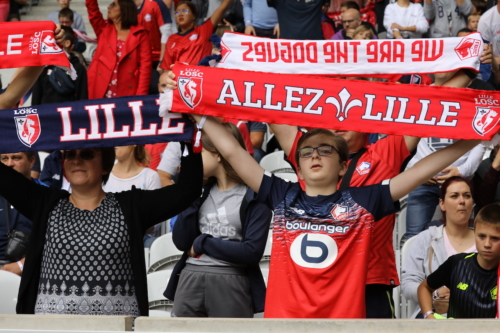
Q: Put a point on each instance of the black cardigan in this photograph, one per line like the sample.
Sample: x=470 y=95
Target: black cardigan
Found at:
x=141 y=209
x=248 y=251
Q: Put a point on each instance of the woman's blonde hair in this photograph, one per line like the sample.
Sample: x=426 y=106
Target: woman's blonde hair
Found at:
x=362 y=28
x=209 y=146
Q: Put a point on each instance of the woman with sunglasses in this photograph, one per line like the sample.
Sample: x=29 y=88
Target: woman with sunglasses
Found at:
x=86 y=254
x=121 y=65
x=191 y=43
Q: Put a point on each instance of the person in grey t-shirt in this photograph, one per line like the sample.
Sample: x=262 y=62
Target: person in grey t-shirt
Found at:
x=222 y=277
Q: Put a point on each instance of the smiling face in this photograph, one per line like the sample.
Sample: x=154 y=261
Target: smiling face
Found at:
x=184 y=16
x=317 y=169
x=487 y=244
x=457 y=203
x=82 y=170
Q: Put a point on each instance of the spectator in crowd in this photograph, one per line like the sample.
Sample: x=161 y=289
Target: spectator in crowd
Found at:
x=36 y=169
x=154 y=16
x=327 y=24
x=472 y=277
x=14 y=10
x=260 y=19
x=404 y=19
x=122 y=60
x=257 y=133
x=299 y=19
x=22 y=163
x=52 y=87
x=321 y=158
x=52 y=172
x=486 y=180
x=351 y=19
x=103 y=230
x=191 y=43
x=131 y=170
x=464 y=32
x=363 y=32
x=433 y=246
x=473 y=21
x=77 y=18
x=66 y=19
x=480 y=6
x=489 y=27
x=4 y=10
x=224 y=233
x=233 y=17
x=446 y=17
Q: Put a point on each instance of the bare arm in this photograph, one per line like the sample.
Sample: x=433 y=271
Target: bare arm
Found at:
x=165 y=178
x=286 y=135
x=409 y=180
x=20 y=86
x=411 y=142
x=425 y=298
x=219 y=12
x=241 y=161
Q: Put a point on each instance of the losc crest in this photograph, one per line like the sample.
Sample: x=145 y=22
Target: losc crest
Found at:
x=487 y=114
x=43 y=42
x=190 y=84
x=468 y=48
x=27 y=126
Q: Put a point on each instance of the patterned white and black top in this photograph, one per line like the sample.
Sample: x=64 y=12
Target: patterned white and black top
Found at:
x=86 y=263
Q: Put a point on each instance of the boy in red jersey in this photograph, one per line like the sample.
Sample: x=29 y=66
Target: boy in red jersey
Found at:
x=321 y=236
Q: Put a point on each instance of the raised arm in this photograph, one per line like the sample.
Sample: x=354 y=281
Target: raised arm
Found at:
x=19 y=86
x=219 y=12
x=285 y=134
x=426 y=168
x=241 y=161
x=95 y=16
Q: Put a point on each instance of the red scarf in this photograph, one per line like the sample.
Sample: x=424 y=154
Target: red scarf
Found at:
x=30 y=44
x=361 y=106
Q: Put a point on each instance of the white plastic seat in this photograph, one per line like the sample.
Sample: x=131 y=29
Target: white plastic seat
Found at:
x=157 y=282
x=275 y=163
x=163 y=254
x=292 y=177
x=409 y=305
x=9 y=288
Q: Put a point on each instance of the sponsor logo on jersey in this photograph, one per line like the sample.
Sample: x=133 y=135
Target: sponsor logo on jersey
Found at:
x=340 y=212
x=485 y=119
x=147 y=17
x=314 y=250
x=308 y=226
x=193 y=37
x=28 y=128
x=462 y=286
x=363 y=168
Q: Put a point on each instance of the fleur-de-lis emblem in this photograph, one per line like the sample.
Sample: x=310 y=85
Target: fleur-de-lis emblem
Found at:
x=344 y=105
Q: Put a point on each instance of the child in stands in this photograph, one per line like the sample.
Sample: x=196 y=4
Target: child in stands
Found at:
x=471 y=277
x=321 y=236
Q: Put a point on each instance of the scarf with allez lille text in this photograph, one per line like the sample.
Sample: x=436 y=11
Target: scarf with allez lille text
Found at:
x=30 y=44
x=375 y=58
x=110 y=122
x=308 y=101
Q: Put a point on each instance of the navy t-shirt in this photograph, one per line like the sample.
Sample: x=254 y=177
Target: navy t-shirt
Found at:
x=299 y=19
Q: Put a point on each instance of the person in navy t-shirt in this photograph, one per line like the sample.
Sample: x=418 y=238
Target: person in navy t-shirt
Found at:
x=321 y=236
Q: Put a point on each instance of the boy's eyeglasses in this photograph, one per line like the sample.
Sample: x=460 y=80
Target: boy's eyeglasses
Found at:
x=184 y=11
x=85 y=154
x=325 y=150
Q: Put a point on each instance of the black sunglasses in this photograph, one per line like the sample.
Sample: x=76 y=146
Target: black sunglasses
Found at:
x=85 y=154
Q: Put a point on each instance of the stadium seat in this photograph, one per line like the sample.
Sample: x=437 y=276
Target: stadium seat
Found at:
x=409 y=305
x=292 y=177
x=163 y=254
x=146 y=257
x=157 y=282
x=9 y=288
x=275 y=163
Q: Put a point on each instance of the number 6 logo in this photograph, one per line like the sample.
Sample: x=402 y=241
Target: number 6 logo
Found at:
x=314 y=250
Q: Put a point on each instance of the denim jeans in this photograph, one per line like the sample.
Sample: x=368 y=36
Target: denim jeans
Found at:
x=422 y=204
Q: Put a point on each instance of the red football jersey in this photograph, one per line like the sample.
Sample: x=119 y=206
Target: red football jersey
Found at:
x=382 y=160
x=155 y=151
x=151 y=17
x=189 y=47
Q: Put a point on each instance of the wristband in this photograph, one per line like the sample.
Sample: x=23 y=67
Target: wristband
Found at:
x=428 y=313
x=198 y=134
x=20 y=264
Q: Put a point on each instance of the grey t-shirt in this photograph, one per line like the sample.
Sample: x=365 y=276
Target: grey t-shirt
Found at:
x=219 y=216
